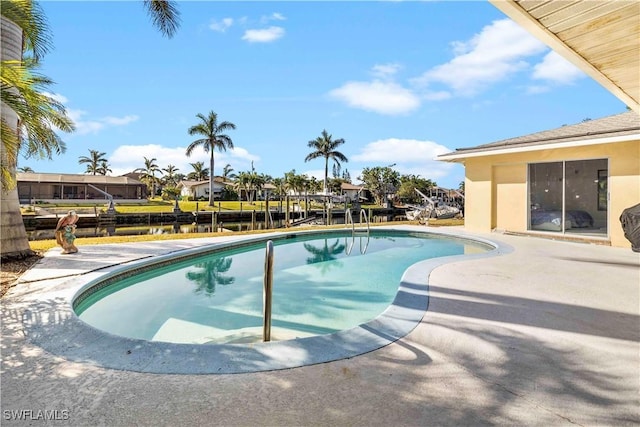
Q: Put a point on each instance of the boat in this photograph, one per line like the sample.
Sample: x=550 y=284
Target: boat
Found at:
x=431 y=208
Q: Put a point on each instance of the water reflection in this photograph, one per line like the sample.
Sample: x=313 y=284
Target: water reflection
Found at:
x=324 y=253
x=210 y=274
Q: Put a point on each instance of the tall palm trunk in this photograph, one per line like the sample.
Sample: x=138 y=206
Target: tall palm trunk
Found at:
x=326 y=175
x=212 y=176
x=13 y=237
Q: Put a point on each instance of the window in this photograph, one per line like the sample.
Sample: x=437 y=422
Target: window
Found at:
x=569 y=196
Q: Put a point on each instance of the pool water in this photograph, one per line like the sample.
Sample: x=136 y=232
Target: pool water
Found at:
x=322 y=283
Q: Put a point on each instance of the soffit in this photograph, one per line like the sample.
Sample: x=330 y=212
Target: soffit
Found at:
x=601 y=37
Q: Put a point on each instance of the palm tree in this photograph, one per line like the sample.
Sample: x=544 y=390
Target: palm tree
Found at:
x=28 y=116
x=213 y=137
x=281 y=186
x=26 y=169
x=148 y=175
x=227 y=172
x=104 y=168
x=200 y=173
x=295 y=182
x=325 y=147
x=170 y=175
x=25 y=106
x=250 y=182
x=93 y=161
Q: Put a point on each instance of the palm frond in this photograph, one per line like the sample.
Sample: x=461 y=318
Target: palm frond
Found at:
x=30 y=18
x=164 y=15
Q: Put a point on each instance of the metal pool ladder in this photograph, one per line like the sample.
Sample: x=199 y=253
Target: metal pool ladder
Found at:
x=348 y=219
x=267 y=292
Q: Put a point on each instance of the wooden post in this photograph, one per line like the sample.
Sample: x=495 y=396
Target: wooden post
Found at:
x=266 y=214
x=253 y=220
x=286 y=216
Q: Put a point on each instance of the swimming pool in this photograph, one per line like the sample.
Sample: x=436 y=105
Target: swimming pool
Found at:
x=323 y=283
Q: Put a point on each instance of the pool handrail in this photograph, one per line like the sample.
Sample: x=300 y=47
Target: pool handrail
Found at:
x=363 y=214
x=267 y=292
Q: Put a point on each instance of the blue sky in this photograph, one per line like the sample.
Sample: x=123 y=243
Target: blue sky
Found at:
x=400 y=82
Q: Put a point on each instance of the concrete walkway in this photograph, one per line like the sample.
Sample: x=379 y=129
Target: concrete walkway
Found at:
x=548 y=334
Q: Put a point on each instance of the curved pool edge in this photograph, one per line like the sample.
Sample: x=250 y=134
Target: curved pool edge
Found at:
x=69 y=337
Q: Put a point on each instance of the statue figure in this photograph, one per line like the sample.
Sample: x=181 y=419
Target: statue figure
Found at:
x=65 y=232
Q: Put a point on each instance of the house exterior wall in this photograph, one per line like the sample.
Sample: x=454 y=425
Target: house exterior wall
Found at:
x=509 y=189
x=201 y=190
x=30 y=192
x=496 y=185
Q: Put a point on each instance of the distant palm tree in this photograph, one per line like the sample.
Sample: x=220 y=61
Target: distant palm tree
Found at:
x=325 y=147
x=26 y=169
x=93 y=161
x=296 y=182
x=213 y=137
x=170 y=192
x=250 y=182
x=281 y=186
x=170 y=174
x=104 y=168
x=200 y=173
x=148 y=174
x=227 y=172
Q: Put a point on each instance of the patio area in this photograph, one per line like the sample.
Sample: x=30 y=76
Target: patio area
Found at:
x=547 y=333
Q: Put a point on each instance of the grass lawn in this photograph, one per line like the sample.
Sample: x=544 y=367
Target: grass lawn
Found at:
x=158 y=205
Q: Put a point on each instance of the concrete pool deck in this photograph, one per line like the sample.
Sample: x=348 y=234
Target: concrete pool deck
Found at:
x=547 y=334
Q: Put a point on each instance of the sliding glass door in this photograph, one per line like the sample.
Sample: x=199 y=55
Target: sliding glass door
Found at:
x=569 y=197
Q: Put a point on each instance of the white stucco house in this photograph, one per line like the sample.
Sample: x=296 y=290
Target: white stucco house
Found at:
x=200 y=189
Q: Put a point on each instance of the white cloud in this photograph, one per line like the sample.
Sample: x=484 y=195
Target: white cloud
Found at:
x=385 y=71
x=127 y=158
x=555 y=69
x=377 y=96
x=408 y=157
x=273 y=17
x=265 y=35
x=437 y=96
x=533 y=90
x=316 y=173
x=85 y=127
x=400 y=151
x=222 y=25
x=56 y=96
x=492 y=55
x=90 y=126
x=120 y=121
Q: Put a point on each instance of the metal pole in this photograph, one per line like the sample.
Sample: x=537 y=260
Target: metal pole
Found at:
x=267 y=292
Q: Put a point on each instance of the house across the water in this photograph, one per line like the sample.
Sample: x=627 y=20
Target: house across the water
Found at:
x=53 y=187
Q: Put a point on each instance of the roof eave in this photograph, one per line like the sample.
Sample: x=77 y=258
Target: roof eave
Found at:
x=529 y=23
x=458 y=157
